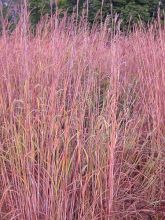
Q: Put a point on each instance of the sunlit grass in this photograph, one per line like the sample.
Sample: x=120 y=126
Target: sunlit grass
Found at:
x=82 y=123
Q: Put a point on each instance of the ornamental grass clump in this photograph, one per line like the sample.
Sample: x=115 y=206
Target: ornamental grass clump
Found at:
x=82 y=117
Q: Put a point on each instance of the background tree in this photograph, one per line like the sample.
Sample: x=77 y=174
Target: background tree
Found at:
x=129 y=11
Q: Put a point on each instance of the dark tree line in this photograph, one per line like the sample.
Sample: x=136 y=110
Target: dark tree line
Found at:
x=129 y=11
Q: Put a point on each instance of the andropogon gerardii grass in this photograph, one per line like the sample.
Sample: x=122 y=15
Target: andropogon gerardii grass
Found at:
x=82 y=116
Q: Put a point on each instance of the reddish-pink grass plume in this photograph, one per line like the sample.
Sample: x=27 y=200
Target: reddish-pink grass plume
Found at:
x=82 y=123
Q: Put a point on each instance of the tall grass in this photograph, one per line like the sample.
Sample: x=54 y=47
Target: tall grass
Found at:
x=82 y=123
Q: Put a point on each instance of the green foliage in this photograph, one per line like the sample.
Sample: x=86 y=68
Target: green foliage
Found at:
x=38 y=8
x=130 y=11
x=63 y=4
x=8 y=18
x=135 y=9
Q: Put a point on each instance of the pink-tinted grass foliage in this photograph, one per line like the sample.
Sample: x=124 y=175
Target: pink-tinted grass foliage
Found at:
x=82 y=123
